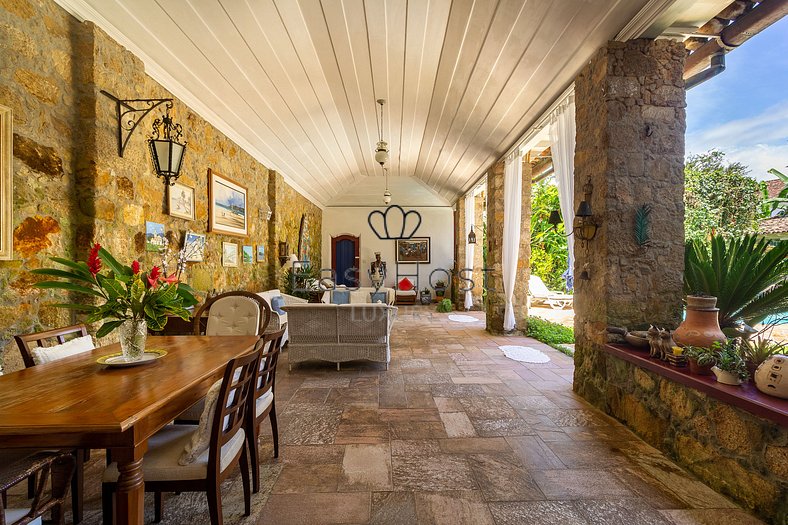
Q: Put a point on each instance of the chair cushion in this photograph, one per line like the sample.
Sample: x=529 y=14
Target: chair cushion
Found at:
x=161 y=462
x=277 y=302
x=233 y=315
x=75 y=346
x=405 y=285
x=201 y=438
x=340 y=297
x=378 y=297
x=264 y=402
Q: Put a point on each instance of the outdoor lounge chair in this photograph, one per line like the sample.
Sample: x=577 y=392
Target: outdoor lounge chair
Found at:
x=539 y=293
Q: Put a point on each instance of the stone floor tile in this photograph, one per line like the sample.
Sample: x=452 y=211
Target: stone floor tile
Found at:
x=457 y=424
x=475 y=380
x=416 y=363
x=579 y=484
x=393 y=508
x=417 y=430
x=475 y=445
x=390 y=415
x=534 y=453
x=574 y=417
x=312 y=454
x=317 y=509
x=310 y=395
x=710 y=517
x=432 y=473
x=452 y=390
x=587 y=454
x=616 y=512
x=501 y=478
x=311 y=427
x=420 y=400
x=366 y=467
x=452 y=508
x=531 y=403
x=349 y=433
x=538 y=513
x=488 y=408
x=448 y=404
x=501 y=427
x=353 y=396
x=327 y=381
x=415 y=447
x=391 y=396
x=307 y=478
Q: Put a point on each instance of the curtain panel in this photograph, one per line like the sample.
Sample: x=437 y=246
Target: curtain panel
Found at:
x=512 y=213
x=469 y=218
x=562 y=144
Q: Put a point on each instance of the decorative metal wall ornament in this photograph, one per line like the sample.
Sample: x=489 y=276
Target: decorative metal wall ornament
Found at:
x=643 y=225
x=385 y=224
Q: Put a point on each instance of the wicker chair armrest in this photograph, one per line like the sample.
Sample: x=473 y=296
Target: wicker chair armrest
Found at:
x=291 y=300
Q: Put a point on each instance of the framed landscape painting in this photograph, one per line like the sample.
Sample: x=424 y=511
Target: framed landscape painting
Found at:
x=228 y=206
x=229 y=254
x=413 y=250
x=194 y=246
x=154 y=237
x=247 y=254
x=260 y=252
x=180 y=201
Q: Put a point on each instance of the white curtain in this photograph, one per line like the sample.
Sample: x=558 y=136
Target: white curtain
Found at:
x=512 y=210
x=469 y=219
x=562 y=144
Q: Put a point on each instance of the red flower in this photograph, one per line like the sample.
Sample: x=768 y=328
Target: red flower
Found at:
x=135 y=267
x=94 y=261
x=153 y=276
x=171 y=279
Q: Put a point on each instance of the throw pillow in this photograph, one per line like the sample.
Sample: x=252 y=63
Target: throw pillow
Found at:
x=340 y=297
x=277 y=302
x=405 y=285
x=77 y=345
x=378 y=297
x=201 y=438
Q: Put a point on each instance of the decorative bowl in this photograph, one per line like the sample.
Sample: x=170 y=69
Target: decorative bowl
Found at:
x=637 y=339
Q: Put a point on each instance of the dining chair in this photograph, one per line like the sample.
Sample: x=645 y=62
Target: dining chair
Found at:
x=262 y=404
x=189 y=458
x=36 y=348
x=233 y=313
x=52 y=469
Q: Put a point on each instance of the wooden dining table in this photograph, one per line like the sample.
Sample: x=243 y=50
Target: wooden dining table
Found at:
x=78 y=403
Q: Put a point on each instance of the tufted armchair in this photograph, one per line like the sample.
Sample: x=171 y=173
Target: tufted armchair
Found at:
x=233 y=313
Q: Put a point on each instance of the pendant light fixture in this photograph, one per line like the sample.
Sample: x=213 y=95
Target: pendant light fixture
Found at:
x=387 y=193
x=382 y=148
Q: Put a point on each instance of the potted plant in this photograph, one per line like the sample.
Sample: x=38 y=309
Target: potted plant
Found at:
x=700 y=359
x=729 y=368
x=426 y=296
x=440 y=288
x=756 y=351
x=444 y=306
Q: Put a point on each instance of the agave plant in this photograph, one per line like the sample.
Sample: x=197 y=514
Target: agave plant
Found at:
x=747 y=275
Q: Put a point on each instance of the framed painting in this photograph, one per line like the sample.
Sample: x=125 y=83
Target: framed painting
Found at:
x=194 y=246
x=229 y=254
x=154 y=237
x=6 y=186
x=260 y=253
x=413 y=250
x=180 y=201
x=228 y=206
x=247 y=254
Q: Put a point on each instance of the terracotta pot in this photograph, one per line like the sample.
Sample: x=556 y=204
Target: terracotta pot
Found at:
x=701 y=327
x=696 y=369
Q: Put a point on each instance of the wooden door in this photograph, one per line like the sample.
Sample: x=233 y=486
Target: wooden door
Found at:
x=344 y=255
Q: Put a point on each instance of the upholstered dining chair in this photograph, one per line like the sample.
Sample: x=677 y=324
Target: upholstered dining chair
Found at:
x=53 y=469
x=233 y=313
x=262 y=404
x=36 y=348
x=189 y=458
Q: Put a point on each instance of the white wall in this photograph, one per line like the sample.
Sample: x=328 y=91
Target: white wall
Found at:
x=437 y=223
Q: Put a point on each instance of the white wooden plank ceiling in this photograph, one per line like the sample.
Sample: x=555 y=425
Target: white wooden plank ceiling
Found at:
x=294 y=82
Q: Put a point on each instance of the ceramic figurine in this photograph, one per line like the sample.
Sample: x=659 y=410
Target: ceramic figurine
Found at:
x=666 y=344
x=653 y=341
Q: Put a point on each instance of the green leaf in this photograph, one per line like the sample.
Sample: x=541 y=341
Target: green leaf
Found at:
x=114 y=265
x=156 y=323
x=75 y=306
x=113 y=287
x=67 y=286
x=53 y=272
x=81 y=267
x=137 y=290
x=108 y=327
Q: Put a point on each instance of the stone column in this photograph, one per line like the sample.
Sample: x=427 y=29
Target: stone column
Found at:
x=630 y=147
x=496 y=299
x=479 y=206
x=461 y=237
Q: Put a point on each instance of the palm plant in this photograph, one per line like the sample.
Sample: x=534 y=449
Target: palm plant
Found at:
x=747 y=275
x=781 y=200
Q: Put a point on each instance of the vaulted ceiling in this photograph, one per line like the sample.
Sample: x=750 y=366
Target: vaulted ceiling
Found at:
x=294 y=82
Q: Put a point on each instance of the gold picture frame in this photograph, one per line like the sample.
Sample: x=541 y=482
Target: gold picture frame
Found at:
x=6 y=185
x=228 y=206
x=180 y=201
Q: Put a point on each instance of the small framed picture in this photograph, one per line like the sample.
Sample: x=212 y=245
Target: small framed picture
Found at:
x=413 y=250
x=194 y=246
x=229 y=254
x=180 y=201
x=260 y=253
x=227 y=205
x=154 y=237
x=247 y=254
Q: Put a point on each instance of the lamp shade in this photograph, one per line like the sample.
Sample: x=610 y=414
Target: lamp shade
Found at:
x=584 y=210
x=555 y=218
x=471 y=237
x=382 y=152
x=167 y=158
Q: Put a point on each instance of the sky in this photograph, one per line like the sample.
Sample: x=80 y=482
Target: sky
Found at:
x=744 y=110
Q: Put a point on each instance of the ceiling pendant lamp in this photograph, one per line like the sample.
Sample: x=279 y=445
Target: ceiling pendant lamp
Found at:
x=387 y=193
x=382 y=148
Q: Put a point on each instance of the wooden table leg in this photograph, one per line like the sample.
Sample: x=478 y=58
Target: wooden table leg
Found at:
x=130 y=493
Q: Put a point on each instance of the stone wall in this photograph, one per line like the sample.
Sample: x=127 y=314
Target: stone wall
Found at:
x=72 y=188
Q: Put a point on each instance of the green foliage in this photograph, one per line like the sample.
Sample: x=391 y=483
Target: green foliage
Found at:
x=642 y=225
x=298 y=281
x=445 y=306
x=761 y=348
x=719 y=198
x=704 y=356
x=549 y=332
x=548 y=245
x=747 y=275
x=781 y=201
x=126 y=293
x=729 y=359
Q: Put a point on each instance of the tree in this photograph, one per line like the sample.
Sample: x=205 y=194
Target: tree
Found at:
x=778 y=206
x=548 y=245
x=719 y=198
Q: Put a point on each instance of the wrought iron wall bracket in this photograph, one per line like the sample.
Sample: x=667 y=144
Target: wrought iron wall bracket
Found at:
x=130 y=113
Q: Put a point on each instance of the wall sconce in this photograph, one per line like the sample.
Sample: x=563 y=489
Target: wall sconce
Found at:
x=284 y=254
x=585 y=225
x=265 y=214
x=472 y=235
x=165 y=149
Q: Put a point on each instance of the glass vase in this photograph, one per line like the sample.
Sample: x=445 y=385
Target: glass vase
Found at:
x=133 y=333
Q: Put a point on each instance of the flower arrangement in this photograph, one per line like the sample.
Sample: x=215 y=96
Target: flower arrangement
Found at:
x=125 y=292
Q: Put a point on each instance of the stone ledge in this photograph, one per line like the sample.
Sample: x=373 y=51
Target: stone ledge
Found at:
x=745 y=397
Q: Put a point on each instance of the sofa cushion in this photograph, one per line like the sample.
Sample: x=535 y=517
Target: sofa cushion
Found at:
x=378 y=297
x=277 y=302
x=340 y=297
x=233 y=315
x=405 y=285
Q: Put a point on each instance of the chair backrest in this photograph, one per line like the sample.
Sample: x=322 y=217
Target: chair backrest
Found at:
x=364 y=323
x=312 y=323
x=537 y=287
x=234 y=313
x=231 y=407
x=269 y=347
x=28 y=342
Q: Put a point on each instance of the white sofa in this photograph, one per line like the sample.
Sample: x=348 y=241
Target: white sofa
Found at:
x=340 y=332
x=277 y=319
x=360 y=295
